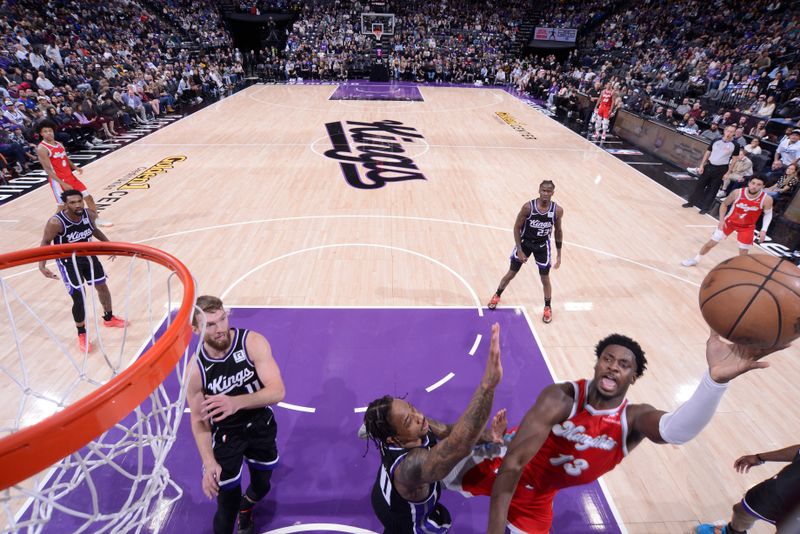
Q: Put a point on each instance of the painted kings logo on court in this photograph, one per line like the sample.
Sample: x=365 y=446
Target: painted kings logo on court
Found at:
x=377 y=154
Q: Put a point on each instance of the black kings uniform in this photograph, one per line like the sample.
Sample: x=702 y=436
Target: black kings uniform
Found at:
x=536 y=231
x=777 y=499
x=398 y=515
x=247 y=434
x=82 y=268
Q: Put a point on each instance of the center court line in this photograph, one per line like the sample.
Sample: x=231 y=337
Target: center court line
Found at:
x=320 y=527
x=440 y=383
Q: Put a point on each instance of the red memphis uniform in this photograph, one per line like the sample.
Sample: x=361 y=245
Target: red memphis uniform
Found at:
x=743 y=216
x=604 y=107
x=588 y=444
x=58 y=159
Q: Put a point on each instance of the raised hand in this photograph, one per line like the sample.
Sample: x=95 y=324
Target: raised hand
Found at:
x=494 y=369
x=727 y=361
x=499 y=426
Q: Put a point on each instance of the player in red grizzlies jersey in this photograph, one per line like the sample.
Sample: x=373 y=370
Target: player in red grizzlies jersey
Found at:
x=748 y=205
x=56 y=163
x=578 y=431
x=605 y=106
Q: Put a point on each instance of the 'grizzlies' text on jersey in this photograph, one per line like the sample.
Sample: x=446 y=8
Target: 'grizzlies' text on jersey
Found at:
x=539 y=225
x=398 y=515
x=234 y=374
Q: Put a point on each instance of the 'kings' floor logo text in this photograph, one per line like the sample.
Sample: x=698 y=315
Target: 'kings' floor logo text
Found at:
x=378 y=151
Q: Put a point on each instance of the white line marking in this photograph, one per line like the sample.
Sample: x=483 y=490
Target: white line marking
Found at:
x=642 y=163
x=8 y=221
x=475 y=345
x=701 y=225
x=603 y=487
x=390 y=217
x=297 y=407
x=441 y=382
x=360 y=245
x=360 y=410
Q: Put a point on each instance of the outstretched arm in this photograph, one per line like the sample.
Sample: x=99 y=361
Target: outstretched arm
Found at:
x=788 y=454
x=725 y=362
x=553 y=406
x=423 y=466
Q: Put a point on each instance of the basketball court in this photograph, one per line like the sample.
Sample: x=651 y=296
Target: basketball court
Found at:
x=362 y=229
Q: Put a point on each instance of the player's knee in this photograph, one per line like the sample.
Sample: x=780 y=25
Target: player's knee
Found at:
x=259 y=485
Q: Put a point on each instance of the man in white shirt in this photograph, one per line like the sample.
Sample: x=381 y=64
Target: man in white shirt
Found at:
x=787 y=154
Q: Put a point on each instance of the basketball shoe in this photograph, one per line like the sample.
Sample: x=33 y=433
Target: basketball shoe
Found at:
x=83 y=343
x=493 y=303
x=547 y=314
x=245 y=521
x=115 y=322
x=691 y=262
x=708 y=528
x=103 y=223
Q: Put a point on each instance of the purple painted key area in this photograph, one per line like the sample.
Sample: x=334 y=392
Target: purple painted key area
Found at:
x=377 y=91
x=335 y=360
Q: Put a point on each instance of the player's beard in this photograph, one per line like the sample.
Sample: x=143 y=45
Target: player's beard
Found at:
x=221 y=344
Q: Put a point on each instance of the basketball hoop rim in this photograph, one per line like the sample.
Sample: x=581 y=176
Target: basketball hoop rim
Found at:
x=31 y=449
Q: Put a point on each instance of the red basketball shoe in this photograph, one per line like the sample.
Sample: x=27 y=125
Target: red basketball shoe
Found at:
x=547 y=315
x=83 y=343
x=493 y=303
x=115 y=322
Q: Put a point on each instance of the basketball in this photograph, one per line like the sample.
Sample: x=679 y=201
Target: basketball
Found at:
x=753 y=300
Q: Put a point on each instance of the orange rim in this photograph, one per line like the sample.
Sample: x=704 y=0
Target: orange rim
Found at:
x=34 y=448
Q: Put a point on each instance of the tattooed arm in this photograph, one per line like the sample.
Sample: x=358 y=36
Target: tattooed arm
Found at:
x=421 y=467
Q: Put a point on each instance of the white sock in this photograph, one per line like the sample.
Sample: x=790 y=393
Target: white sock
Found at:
x=697 y=258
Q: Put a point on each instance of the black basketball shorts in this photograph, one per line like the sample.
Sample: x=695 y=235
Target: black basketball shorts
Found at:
x=540 y=250
x=83 y=269
x=777 y=499
x=253 y=442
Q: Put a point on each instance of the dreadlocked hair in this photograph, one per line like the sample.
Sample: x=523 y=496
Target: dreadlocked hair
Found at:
x=376 y=421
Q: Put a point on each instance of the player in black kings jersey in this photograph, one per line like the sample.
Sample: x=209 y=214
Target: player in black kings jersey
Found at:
x=776 y=500
x=535 y=222
x=76 y=224
x=417 y=453
x=230 y=390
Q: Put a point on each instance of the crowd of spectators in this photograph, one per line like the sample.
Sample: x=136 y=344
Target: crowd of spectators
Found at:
x=100 y=69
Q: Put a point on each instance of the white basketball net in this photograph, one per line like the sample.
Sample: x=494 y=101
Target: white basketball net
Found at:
x=73 y=495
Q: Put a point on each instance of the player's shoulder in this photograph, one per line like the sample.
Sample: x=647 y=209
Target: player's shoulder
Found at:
x=560 y=394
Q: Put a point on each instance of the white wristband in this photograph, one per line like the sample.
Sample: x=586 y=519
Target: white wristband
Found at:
x=693 y=415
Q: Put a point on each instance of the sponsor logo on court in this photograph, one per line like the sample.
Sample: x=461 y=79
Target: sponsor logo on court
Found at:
x=377 y=154
x=509 y=119
x=136 y=180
